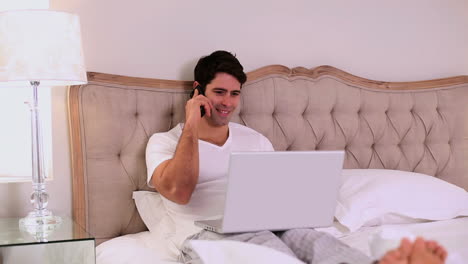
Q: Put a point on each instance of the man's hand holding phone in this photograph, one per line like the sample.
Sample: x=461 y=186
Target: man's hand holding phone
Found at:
x=193 y=113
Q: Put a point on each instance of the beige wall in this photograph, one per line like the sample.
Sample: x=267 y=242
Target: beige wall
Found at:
x=384 y=40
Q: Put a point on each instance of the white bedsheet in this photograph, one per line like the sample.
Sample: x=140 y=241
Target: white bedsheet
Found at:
x=141 y=248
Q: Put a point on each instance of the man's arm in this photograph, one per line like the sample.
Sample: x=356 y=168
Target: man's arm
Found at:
x=176 y=178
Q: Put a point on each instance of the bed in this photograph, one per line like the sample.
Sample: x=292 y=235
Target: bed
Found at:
x=419 y=127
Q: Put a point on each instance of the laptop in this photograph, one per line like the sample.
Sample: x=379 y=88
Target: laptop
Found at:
x=279 y=190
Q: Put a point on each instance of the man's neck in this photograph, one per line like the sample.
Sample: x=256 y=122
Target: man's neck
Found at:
x=213 y=134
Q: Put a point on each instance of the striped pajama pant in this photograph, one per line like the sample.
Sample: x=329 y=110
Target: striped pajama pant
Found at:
x=308 y=245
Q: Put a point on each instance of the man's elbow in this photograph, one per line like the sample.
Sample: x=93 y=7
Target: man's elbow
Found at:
x=181 y=196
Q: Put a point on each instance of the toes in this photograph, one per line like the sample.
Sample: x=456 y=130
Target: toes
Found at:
x=444 y=254
x=394 y=255
x=419 y=248
x=431 y=245
x=390 y=257
x=441 y=253
x=405 y=247
x=419 y=244
x=431 y=248
x=437 y=249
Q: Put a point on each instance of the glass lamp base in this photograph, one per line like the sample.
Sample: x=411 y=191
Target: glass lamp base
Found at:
x=40 y=226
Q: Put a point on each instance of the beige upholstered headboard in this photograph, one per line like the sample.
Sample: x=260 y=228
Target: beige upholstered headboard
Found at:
x=412 y=126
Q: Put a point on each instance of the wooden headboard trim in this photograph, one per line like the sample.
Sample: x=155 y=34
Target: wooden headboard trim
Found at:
x=78 y=185
x=283 y=70
x=138 y=81
x=79 y=194
x=332 y=71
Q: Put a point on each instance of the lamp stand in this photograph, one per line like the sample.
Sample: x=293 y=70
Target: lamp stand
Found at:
x=40 y=220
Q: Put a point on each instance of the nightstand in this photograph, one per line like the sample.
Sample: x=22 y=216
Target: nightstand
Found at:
x=68 y=243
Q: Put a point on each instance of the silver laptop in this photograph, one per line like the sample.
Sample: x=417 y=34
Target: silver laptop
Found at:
x=279 y=190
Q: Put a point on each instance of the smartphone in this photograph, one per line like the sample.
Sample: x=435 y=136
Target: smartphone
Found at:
x=202 y=92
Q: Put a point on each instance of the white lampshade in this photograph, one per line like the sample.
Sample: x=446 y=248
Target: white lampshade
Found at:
x=40 y=45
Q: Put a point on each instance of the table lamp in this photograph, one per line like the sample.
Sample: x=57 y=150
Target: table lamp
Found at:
x=40 y=47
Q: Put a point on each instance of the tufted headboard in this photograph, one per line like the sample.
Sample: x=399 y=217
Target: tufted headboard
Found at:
x=412 y=126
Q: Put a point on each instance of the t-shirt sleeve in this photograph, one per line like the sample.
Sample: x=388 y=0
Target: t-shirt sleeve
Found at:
x=160 y=147
x=265 y=144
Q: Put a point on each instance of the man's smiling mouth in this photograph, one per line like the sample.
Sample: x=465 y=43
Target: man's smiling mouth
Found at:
x=223 y=112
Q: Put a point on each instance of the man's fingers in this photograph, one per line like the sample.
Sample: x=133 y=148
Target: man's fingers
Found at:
x=211 y=107
x=202 y=101
x=207 y=105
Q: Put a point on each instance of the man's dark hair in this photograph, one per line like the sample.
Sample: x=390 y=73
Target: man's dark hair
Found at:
x=218 y=61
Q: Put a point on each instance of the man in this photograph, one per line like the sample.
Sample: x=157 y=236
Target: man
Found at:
x=188 y=166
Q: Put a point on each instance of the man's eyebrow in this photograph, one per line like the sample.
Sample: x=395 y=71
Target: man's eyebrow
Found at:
x=225 y=90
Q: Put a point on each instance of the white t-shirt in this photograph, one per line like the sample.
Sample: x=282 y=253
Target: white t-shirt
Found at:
x=207 y=199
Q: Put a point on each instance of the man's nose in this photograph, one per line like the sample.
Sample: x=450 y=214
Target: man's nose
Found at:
x=226 y=101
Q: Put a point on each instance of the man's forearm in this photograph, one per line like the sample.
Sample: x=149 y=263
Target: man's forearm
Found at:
x=179 y=178
x=186 y=158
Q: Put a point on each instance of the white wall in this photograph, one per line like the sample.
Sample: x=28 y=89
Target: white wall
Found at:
x=387 y=40
x=14 y=197
x=382 y=40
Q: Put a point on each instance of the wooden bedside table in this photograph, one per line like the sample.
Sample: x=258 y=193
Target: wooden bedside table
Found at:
x=68 y=243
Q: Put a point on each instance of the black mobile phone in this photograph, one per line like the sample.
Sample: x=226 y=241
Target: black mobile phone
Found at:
x=202 y=92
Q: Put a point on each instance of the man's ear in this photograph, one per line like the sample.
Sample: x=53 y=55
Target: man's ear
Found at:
x=192 y=93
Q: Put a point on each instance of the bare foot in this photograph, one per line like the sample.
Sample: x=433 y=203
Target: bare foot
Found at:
x=393 y=257
x=399 y=255
x=427 y=252
x=437 y=249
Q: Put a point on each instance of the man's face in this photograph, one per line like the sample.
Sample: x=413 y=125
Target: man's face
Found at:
x=224 y=93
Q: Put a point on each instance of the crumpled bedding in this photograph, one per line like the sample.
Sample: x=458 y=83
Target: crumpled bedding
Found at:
x=308 y=245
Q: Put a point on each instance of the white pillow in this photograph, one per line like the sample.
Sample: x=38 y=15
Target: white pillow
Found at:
x=151 y=208
x=374 y=196
x=235 y=252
